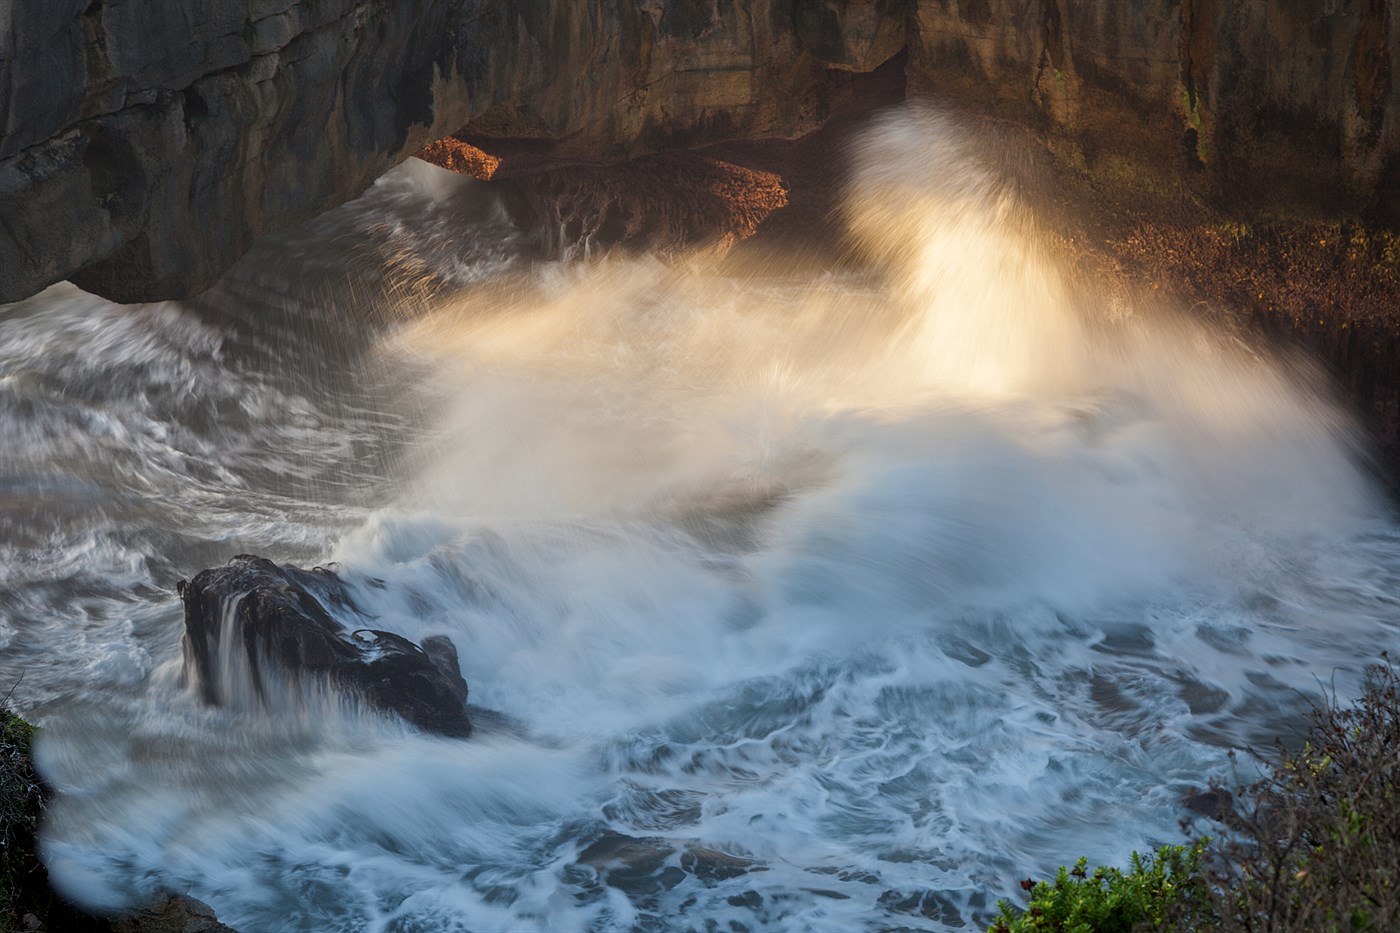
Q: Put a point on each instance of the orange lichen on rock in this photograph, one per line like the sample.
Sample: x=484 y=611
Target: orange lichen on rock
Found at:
x=748 y=195
x=456 y=156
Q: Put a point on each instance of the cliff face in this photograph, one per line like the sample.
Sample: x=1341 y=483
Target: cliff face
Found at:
x=148 y=144
x=144 y=146
x=1292 y=101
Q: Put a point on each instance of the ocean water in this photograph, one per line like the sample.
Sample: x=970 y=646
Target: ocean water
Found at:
x=788 y=599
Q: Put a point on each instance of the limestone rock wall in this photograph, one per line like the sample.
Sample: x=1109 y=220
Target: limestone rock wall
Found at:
x=145 y=145
x=1260 y=102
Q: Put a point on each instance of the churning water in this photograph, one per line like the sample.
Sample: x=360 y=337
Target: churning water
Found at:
x=797 y=602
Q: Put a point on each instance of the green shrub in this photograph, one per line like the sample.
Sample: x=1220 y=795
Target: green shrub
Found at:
x=1153 y=894
x=1314 y=847
x=20 y=797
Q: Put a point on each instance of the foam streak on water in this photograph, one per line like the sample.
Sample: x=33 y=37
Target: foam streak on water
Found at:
x=788 y=602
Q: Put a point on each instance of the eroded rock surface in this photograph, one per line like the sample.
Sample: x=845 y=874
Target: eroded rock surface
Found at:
x=1276 y=104
x=660 y=204
x=143 y=146
x=171 y=913
x=252 y=626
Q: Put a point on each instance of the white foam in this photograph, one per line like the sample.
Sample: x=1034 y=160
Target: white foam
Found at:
x=855 y=599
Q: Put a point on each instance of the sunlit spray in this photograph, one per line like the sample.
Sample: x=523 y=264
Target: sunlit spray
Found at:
x=989 y=310
x=801 y=602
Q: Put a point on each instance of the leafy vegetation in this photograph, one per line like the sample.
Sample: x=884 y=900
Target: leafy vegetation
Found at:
x=1314 y=847
x=1152 y=895
x=20 y=797
x=25 y=894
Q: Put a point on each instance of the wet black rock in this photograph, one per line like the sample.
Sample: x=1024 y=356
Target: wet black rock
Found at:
x=1214 y=804
x=648 y=865
x=279 y=620
x=171 y=913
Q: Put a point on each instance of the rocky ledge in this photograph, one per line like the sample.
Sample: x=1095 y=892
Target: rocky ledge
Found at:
x=143 y=147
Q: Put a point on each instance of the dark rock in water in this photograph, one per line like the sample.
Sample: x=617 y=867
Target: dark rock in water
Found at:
x=1215 y=804
x=647 y=865
x=278 y=619
x=171 y=913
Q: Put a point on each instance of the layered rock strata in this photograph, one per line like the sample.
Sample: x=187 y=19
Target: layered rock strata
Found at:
x=1258 y=104
x=144 y=146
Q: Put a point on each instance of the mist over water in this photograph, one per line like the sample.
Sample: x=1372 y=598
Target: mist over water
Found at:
x=787 y=601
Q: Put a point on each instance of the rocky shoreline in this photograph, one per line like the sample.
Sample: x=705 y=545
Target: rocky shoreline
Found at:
x=27 y=902
x=1187 y=168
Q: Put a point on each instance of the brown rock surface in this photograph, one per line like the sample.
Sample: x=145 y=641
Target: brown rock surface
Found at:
x=1328 y=287
x=658 y=203
x=785 y=191
x=1255 y=104
x=171 y=914
x=457 y=156
x=853 y=35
